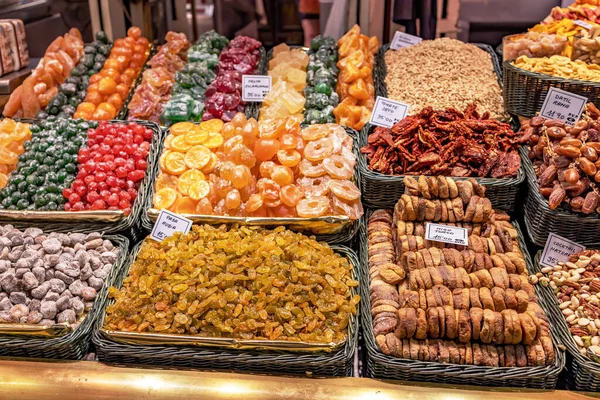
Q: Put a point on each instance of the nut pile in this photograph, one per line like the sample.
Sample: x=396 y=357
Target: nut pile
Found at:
x=437 y=302
x=586 y=46
x=443 y=73
x=576 y=284
x=51 y=278
x=239 y=282
x=566 y=160
x=533 y=44
x=446 y=142
x=561 y=67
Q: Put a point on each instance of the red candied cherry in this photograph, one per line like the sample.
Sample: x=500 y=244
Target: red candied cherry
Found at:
x=78 y=206
x=148 y=134
x=137 y=129
x=98 y=205
x=104 y=194
x=112 y=181
x=100 y=176
x=67 y=206
x=138 y=139
x=67 y=192
x=83 y=155
x=120 y=161
x=125 y=196
x=88 y=179
x=113 y=200
x=109 y=140
x=132 y=193
x=104 y=149
x=117 y=148
x=80 y=190
x=130 y=166
x=92 y=197
x=93 y=186
x=108 y=158
x=121 y=172
x=114 y=189
x=102 y=186
x=136 y=175
x=74 y=198
x=141 y=164
x=145 y=146
x=128 y=149
x=123 y=204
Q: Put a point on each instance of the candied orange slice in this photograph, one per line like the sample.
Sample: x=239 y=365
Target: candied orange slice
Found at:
x=212 y=163
x=337 y=168
x=344 y=189
x=180 y=144
x=319 y=149
x=197 y=157
x=214 y=141
x=199 y=190
x=165 y=181
x=161 y=160
x=168 y=141
x=187 y=179
x=313 y=207
x=185 y=205
x=196 y=136
x=212 y=125
x=165 y=198
x=181 y=128
x=175 y=163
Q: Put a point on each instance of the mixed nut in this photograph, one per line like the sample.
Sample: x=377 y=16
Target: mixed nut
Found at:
x=51 y=278
x=566 y=160
x=586 y=46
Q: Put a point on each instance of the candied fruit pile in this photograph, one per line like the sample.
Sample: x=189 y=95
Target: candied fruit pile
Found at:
x=13 y=135
x=268 y=169
x=355 y=81
x=243 y=283
x=288 y=71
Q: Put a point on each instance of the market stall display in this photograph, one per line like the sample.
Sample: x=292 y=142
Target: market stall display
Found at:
x=321 y=81
x=355 y=86
x=565 y=28
x=13 y=135
x=188 y=94
x=37 y=90
x=429 y=74
x=154 y=91
x=430 y=302
x=110 y=87
x=73 y=90
x=52 y=289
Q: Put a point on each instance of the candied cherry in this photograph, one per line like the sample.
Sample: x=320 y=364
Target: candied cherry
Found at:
x=265 y=149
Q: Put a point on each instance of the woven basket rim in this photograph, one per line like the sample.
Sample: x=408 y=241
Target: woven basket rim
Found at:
x=435 y=368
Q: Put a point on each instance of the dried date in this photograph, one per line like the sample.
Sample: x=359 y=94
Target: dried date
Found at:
x=556 y=197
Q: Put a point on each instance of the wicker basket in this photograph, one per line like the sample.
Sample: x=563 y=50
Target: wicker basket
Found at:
x=338 y=363
x=343 y=237
x=382 y=366
x=540 y=220
x=75 y=345
x=524 y=92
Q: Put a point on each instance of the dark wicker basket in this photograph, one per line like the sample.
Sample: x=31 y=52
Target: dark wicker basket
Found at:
x=524 y=91
x=383 y=366
x=338 y=363
x=383 y=191
x=540 y=220
x=343 y=237
x=581 y=373
x=129 y=226
x=75 y=345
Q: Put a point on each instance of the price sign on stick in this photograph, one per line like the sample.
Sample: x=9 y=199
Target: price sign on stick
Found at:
x=447 y=234
x=387 y=112
x=255 y=87
x=563 y=106
x=168 y=223
x=402 y=39
x=558 y=249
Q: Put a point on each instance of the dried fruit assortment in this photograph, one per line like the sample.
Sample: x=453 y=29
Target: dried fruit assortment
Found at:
x=47 y=166
x=566 y=160
x=560 y=66
x=38 y=89
x=220 y=282
x=355 y=81
x=111 y=168
x=74 y=89
x=586 y=12
x=154 y=91
x=50 y=278
x=268 y=169
x=110 y=87
x=446 y=142
x=321 y=81
x=533 y=44
x=436 y=302
x=224 y=94
x=12 y=137
x=188 y=94
x=443 y=73
x=576 y=284
x=287 y=69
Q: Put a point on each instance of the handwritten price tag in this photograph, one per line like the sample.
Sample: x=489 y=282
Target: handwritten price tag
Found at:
x=447 y=234
x=558 y=249
x=402 y=39
x=168 y=223
x=388 y=112
x=563 y=106
x=583 y=24
x=255 y=87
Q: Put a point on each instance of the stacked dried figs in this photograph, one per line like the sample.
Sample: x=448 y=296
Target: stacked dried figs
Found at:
x=51 y=278
x=567 y=160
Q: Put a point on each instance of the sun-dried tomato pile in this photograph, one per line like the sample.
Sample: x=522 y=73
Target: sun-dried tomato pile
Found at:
x=446 y=142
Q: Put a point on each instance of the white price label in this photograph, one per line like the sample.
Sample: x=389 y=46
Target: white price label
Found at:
x=563 y=106
x=168 y=223
x=402 y=39
x=447 y=234
x=255 y=87
x=558 y=249
x=388 y=112
x=583 y=24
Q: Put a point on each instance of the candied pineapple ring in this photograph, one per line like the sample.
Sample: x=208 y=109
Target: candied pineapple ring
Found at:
x=313 y=207
x=318 y=150
x=337 y=167
x=344 y=189
x=310 y=169
x=314 y=186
